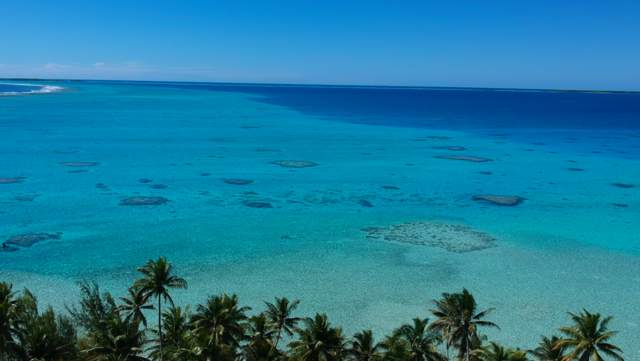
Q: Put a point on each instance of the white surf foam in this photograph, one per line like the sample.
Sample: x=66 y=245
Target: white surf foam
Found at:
x=43 y=89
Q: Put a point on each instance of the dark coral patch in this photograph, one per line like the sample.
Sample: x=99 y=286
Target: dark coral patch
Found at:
x=80 y=164
x=365 y=203
x=266 y=150
x=294 y=163
x=623 y=185
x=466 y=158
x=431 y=137
x=451 y=237
x=143 y=201
x=66 y=151
x=450 y=147
x=12 y=180
x=258 y=204
x=620 y=205
x=7 y=248
x=145 y=180
x=25 y=197
x=390 y=187
x=573 y=169
x=237 y=181
x=500 y=200
x=29 y=239
x=102 y=186
x=158 y=186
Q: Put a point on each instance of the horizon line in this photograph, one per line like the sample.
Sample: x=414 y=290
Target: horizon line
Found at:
x=335 y=85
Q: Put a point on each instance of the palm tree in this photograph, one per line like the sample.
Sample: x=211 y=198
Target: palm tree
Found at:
x=518 y=355
x=260 y=346
x=43 y=336
x=176 y=333
x=458 y=321
x=48 y=337
x=318 y=341
x=134 y=305
x=422 y=343
x=495 y=352
x=8 y=317
x=157 y=279
x=197 y=347
x=364 y=348
x=548 y=350
x=220 y=321
x=122 y=341
x=447 y=312
x=94 y=308
x=395 y=348
x=279 y=315
x=588 y=338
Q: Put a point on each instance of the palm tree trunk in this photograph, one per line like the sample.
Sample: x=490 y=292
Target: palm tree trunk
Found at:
x=467 y=349
x=277 y=339
x=160 y=326
x=585 y=356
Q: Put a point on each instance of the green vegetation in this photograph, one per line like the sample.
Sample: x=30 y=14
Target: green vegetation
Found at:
x=101 y=329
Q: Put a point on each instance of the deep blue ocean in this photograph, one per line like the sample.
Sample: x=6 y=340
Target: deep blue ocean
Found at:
x=448 y=108
x=363 y=202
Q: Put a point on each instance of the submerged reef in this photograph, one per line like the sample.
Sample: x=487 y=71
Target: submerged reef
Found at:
x=500 y=200
x=294 y=163
x=467 y=158
x=80 y=164
x=450 y=147
x=27 y=240
x=102 y=186
x=143 y=201
x=266 y=150
x=7 y=248
x=26 y=197
x=66 y=151
x=258 y=204
x=237 y=181
x=455 y=238
x=365 y=203
x=390 y=187
x=431 y=137
x=11 y=180
x=623 y=185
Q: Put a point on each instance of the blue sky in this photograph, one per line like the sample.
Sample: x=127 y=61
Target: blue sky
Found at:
x=519 y=43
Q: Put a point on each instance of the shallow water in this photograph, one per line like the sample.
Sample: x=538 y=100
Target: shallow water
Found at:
x=574 y=241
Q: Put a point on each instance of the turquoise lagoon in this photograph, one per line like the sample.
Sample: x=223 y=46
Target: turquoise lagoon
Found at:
x=573 y=242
